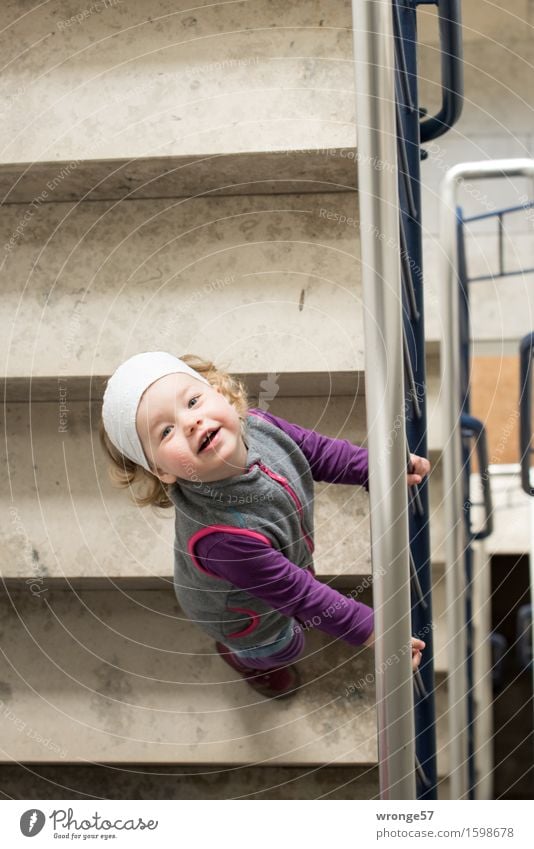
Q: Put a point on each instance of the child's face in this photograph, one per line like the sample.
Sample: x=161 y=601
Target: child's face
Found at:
x=173 y=417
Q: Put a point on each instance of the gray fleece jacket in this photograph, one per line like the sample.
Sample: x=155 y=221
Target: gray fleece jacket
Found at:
x=275 y=501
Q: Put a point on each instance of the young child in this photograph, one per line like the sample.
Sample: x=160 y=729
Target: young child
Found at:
x=241 y=481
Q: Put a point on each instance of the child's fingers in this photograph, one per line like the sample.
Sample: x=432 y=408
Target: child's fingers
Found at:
x=417 y=647
x=414 y=479
x=417 y=469
x=421 y=465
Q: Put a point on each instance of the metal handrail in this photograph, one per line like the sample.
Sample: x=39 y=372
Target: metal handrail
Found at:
x=382 y=291
x=484 y=277
x=409 y=131
x=402 y=64
x=508 y=210
x=456 y=537
x=526 y=353
x=452 y=75
x=472 y=426
x=499 y=214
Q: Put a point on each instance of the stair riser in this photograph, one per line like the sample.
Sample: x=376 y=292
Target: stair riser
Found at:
x=156 y=781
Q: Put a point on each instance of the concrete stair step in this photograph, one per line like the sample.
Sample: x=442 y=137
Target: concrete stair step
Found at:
x=265 y=284
x=108 y=86
x=123 y=83
x=126 y=83
x=63 y=521
x=262 y=283
x=123 y=678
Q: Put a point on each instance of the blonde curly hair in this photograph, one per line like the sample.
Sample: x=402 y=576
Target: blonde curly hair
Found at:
x=123 y=472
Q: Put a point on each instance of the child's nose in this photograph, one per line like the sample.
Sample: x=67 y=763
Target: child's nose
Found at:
x=194 y=422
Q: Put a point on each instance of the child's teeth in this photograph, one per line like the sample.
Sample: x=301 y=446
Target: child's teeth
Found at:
x=207 y=440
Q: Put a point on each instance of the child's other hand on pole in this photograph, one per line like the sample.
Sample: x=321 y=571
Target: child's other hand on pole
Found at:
x=417 y=648
x=418 y=468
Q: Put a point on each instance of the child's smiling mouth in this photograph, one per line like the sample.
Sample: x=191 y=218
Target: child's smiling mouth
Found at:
x=209 y=440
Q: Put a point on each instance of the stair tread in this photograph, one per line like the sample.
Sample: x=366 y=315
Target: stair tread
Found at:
x=63 y=520
x=177 y=81
x=122 y=678
x=87 y=285
x=258 y=282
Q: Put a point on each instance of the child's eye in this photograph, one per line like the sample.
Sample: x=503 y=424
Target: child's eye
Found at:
x=193 y=399
x=164 y=431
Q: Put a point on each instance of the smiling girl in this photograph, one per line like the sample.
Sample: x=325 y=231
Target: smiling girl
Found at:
x=241 y=481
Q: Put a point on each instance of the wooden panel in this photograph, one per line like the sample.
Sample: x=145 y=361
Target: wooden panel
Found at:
x=495 y=400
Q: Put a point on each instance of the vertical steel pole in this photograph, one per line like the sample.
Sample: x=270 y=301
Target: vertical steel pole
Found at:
x=384 y=386
x=455 y=528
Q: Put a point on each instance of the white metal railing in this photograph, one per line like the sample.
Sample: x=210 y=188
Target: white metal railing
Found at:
x=455 y=537
x=384 y=387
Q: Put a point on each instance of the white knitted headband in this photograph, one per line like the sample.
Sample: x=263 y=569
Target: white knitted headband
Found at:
x=123 y=393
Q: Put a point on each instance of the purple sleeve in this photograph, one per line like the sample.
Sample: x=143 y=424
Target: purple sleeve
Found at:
x=265 y=573
x=331 y=460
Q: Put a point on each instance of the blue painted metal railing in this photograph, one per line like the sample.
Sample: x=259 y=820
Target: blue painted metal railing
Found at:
x=473 y=428
x=452 y=69
x=500 y=215
x=410 y=132
x=526 y=354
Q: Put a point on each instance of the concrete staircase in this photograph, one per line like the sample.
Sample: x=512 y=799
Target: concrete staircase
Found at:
x=176 y=179
x=100 y=665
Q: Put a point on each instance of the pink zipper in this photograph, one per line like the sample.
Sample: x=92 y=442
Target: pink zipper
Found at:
x=285 y=483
